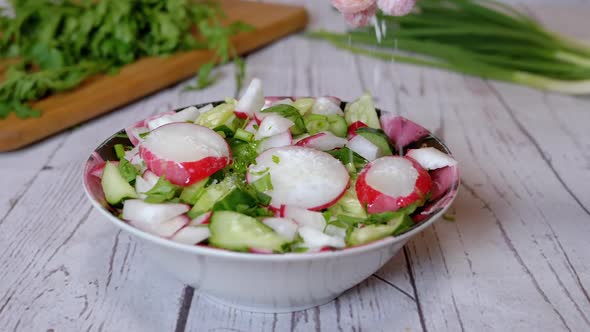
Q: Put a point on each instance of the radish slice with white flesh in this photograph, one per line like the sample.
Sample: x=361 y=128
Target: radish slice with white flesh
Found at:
x=286 y=228
x=184 y=152
x=273 y=124
x=145 y=183
x=314 y=238
x=165 y=228
x=273 y=101
x=140 y=211
x=363 y=147
x=251 y=127
x=304 y=217
x=252 y=100
x=431 y=158
x=187 y=114
x=203 y=219
x=276 y=141
x=134 y=131
x=323 y=141
x=325 y=106
x=99 y=168
x=300 y=176
x=191 y=235
x=392 y=182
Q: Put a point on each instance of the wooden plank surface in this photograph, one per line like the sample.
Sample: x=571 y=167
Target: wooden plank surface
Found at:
x=105 y=93
x=516 y=258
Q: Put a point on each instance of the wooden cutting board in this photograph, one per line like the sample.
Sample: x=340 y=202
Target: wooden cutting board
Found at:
x=105 y=93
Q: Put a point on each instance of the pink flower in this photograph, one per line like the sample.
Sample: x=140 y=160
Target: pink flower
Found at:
x=352 y=6
x=396 y=7
x=361 y=18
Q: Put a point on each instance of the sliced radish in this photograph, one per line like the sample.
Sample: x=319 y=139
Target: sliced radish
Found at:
x=401 y=130
x=390 y=183
x=134 y=131
x=273 y=124
x=353 y=127
x=252 y=100
x=363 y=147
x=191 y=235
x=304 y=217
x=150 y=177
x=442 y=180
x=145 y=183
x=184 y=152
x=140 y=211
x=302 y=177
x=276 y=141
x=97 y=169
x=300 y=138
x=203 y=219
x=314 y=238
x=286 y=228
x=323 y=141
x=129 y=155
x=165 y=228
x=273 y=101
x=251 y=127
x=187 y=114
x=326 y=106
x=335 y=100
x=431 y=158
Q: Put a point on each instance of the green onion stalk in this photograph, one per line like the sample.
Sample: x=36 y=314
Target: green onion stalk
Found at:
x=483 y=38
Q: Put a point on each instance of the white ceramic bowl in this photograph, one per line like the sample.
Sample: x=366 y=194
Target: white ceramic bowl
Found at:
x=266 y=283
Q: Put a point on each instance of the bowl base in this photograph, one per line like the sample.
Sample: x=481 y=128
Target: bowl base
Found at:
x=268 y=309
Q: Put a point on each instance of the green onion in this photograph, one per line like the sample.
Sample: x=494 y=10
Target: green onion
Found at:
x=243 y=135
x=482 y=38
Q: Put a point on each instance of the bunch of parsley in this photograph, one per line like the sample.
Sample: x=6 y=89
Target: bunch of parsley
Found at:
x=59 y=44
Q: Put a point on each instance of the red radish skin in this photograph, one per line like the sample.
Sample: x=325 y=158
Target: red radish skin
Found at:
x=378 y=202
x=442 y=180
x=186 y=141
x=353 y=127
x=99 y=168
x=401 y=130
x=241 y=115
x=260 y=251
x=92 y=183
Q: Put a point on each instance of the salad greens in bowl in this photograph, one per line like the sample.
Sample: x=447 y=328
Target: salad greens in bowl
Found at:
x=273 y=204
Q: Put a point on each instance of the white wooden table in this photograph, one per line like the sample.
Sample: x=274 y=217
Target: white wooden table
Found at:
x=516 y=258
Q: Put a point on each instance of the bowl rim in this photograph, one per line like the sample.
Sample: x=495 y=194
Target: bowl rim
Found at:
x=290 y=256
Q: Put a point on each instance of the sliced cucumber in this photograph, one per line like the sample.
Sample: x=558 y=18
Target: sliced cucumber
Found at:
x=338 y=125
x=377 y=137
x=235 y=231
x=220 y=115
x=372 y=233
x=115 y=187
x=348 y=205
x=362 y=109
x=212 y=195
x=191 y=194
x=303 y=105
x=316 y=123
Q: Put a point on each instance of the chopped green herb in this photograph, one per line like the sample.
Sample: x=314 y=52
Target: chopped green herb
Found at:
x=276 y=159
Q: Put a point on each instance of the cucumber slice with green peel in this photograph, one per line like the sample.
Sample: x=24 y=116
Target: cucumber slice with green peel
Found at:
x=338 y=125
x=316 y=123
x=191 y=194
x=372 y=233
x=115 y=187
x=303 y=105
x=377 y=137
x=218 y=116
x=212 y=194
x=368 y=234
x=235 y=231
x=362 y=109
